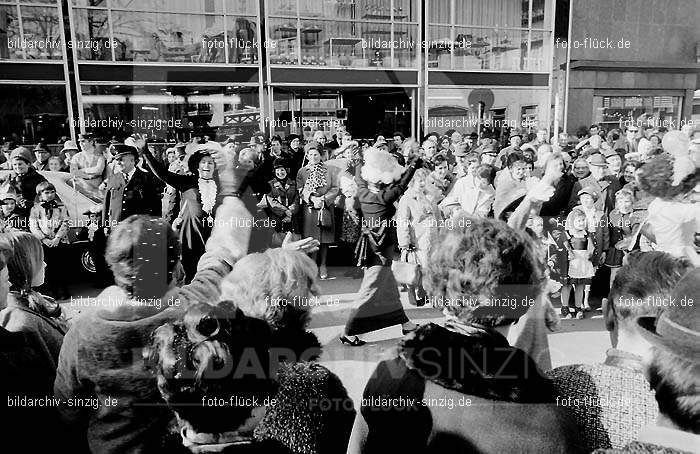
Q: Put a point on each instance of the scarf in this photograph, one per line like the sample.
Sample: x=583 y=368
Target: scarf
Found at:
x=207 y=194
x=316 y=179
x=49 y=207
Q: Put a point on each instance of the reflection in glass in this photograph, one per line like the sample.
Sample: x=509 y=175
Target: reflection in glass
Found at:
x=10 y=46
x=44 y=118
x=179 y=6
x=173 y=112
x=242 y=40
x=92 y=35
x=169 y=37
x=283 y=47
x=42 y=33
x=247 y=7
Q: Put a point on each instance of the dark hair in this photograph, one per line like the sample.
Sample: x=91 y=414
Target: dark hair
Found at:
x=514 y=158
x=487 y=259
x=439 y=159
x=143 y=252
x=635 y=164
x=644 y=276
x=676 y=381
x=449 y=132
x=594 y=126
x=397 y=133
x=486 y=171
x=212 y=352
x=276 y=138
x=43 y=186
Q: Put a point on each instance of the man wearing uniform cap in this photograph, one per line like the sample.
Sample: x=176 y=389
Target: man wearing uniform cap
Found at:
x=130 y=190
x=42 y=157
x=605 y=185
x=23 y=179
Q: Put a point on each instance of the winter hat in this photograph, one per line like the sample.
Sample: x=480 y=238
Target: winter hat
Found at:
x=23 y=154
x=380 y=167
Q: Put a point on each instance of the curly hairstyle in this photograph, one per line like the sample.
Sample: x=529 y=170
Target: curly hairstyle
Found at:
x=656 y=177
x=277 y=286
x=143 y=253
x=212 y=352
x=476 y=269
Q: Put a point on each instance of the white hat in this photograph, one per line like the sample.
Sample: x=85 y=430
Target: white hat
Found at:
x=380 y=167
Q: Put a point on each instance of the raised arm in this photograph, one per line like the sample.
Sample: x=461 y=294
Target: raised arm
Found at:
x=394 y=191
x=159 y=169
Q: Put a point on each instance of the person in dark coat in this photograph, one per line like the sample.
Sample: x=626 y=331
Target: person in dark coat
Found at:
x=606 y=185
x=95 y=232
x=199 y=200
x=380 y=182
x=471 y=384
x=23 y=180
x=130 y=190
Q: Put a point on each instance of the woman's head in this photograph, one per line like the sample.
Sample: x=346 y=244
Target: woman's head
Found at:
x=486 y=262
x=445 y=143
x=484 y=176
x=170 y=155
x=277 y=286
x=313 y=156
x=143 y=253
x=25 y=268
x=629 y=171
x=210 y=355
x=580 y=168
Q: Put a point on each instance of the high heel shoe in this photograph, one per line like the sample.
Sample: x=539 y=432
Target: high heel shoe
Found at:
x=356 y=342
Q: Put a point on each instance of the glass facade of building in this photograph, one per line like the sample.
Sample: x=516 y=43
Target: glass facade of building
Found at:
x=229 y=67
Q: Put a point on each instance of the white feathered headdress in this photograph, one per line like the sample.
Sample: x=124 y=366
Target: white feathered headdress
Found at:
x=380 y=167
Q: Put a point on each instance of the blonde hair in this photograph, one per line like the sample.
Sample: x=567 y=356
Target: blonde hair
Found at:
x=276 y=285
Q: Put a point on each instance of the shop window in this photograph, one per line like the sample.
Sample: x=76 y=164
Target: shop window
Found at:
x=619 y=111
x=30 y=32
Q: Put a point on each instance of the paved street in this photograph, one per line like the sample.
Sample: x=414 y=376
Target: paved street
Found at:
x=579 y=341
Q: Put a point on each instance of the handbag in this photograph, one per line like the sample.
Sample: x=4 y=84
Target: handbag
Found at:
x=406 y=270
x=325 y=219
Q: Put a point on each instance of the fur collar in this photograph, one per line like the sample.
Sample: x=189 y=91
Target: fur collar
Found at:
x=480 y=363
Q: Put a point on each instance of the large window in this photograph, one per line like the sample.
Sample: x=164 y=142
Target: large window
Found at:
x=32 y=113
x=345 y=33
x=620 y=111
x=30 y=30
x=489 y=35
x=171 y=112
x=496 y=110
x=187 y=31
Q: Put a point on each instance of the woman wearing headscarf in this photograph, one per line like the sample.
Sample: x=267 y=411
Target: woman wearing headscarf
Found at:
x=317 y=198
x=199 y=199
x=380 y=182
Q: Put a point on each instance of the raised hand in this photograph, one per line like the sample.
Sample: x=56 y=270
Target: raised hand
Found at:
x=306 y=245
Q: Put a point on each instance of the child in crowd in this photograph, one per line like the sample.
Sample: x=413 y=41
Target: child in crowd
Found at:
x=597 y=227
x=96 y=232
x=55 y=164
x=10 y=219
x=558 y=262
x=620 y=231
x=281 y=204
x=581 y=269
x=49 y=222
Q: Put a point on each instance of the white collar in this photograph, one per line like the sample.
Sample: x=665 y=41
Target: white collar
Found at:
x=131 y=174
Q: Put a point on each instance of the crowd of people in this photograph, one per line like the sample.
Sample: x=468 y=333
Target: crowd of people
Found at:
x=203 y=344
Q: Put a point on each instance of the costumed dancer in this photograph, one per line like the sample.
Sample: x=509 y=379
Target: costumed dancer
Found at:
x=281 y=204
x=674 y=215
x=199 y=195
x=380 y=182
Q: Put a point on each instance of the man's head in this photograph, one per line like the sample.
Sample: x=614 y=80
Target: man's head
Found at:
x=42 y=153
x=294 y=144
x=488 y=156
x=124 y=162
x=594 y=130
x=143 y=253
x=276 y=146
x=515 y=139
x=541 y=135
x=644 y=279
x=631 y=133
x=598 y=166
x=398 y=139
x=456 y=137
